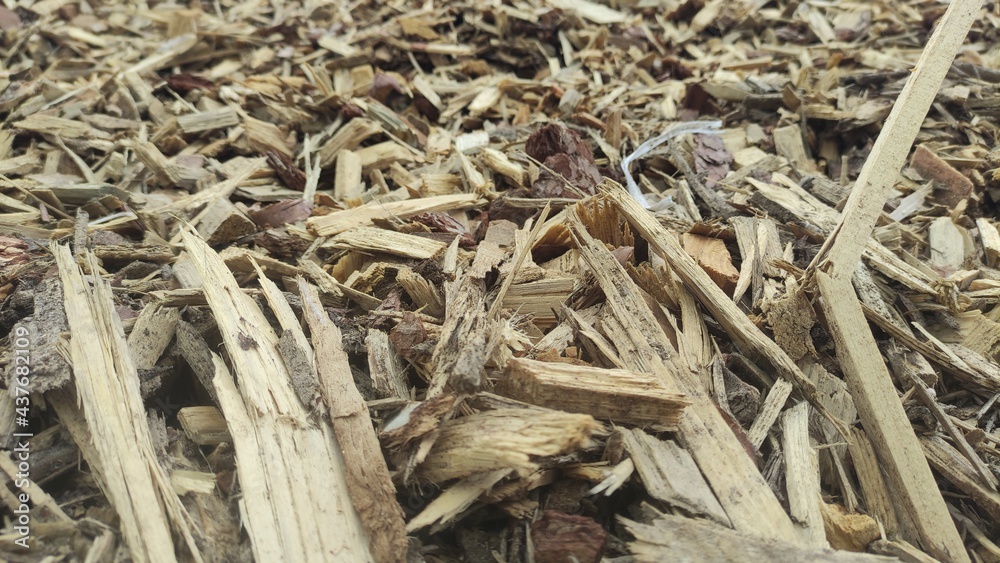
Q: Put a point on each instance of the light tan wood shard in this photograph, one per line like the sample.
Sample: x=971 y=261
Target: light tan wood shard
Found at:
x=330 y=286
x=295 y=503
x=122 y=456
x=368 y=480
x=372 y=239
x=222 y=190
x=774 y=403
x=456 y=499
x=623 y=397
x=504 y=439
x=347 y=180
x=874 y=487
x=947 y=244
x=956 y=468
x=347 y=138
x=204 y=425
x=670 y=475
x=340 y=221
x=802 y=476
x=263 y=136
x=164 y=54
x=381 y=155
x=385 y=366
x=675 y=538
x=222 y=222
x=243 y=260
x=468 y=337
x=788 y=143
x=499 y=163
x=597 y=13
x=991 y=241
x=209 y=120
x=44 y=509
x=540 y=298
x=759 y=245
x=901 y=550
x=986 y=477
x=425 y=295
x=166 y=172
x=152 y=332
x=200 y=482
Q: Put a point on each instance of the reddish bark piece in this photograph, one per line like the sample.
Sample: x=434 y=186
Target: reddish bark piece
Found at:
x=954 y=185
x=290 y=174
x=555 y=139
x=711 y=157
x=439 y=222
x=281 y=213
x=565 y=154
x=713 y=256
x=183 y=83
x=560 y=537
x=408 y=334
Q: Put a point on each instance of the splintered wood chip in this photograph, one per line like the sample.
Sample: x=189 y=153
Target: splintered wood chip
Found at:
x=511 y=439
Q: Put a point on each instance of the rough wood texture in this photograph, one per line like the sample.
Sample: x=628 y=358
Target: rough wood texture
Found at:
x=643 y=346
x=674 y=536
x=122 y=455
x=435 y=170
x=615 y=395
x=843 y=248
x=368 y=482
x=302 y=489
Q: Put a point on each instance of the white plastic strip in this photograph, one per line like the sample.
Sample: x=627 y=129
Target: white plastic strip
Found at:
x=672 y=130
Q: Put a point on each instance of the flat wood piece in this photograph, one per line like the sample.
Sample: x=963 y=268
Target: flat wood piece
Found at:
x=340 y=221
x=802 y=475
x=368 y=481
x=670 y=475
x=619 y=396
x=204 y=425
x=885 y=421
x=151 y=334
x=669 y=537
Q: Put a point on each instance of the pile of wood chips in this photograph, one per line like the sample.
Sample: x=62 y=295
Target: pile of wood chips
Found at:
x=331 y=281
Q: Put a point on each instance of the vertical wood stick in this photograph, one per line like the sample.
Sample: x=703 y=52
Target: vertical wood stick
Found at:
x=879 y=407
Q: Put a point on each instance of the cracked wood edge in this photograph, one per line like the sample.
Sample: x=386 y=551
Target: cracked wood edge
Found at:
x=295 y=504
x=747 y=336
x=368 y=481
x=734 y=478
x=107 y=387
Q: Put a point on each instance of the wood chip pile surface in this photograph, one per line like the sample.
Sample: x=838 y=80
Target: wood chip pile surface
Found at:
x=365 y=281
